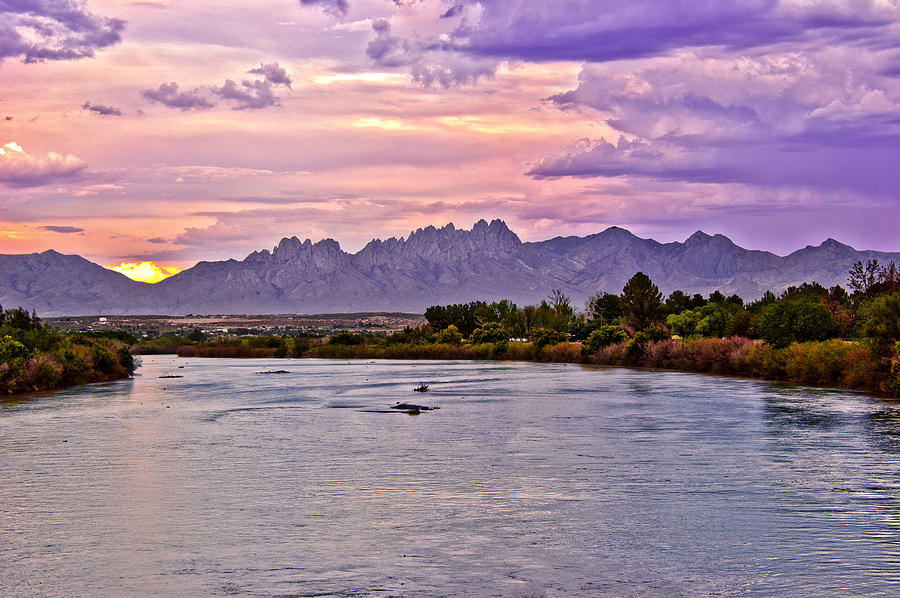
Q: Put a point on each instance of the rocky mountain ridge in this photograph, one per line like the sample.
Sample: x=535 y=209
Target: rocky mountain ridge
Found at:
x=430 y=266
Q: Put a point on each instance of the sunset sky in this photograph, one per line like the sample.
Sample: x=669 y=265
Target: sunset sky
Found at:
x=169 y=131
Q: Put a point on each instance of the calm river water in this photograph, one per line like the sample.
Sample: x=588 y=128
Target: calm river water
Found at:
x=531 y=480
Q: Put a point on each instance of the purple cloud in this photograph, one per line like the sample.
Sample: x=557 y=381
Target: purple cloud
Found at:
x=62 y=229
x=478 y=34
x=251 y=95
x=389 y=50
x=101 y=109
x=18 y=168
x=820 y=117
x=334 y=7
x=168 y=95
x=786 y=163
x=53 y=30
x=605 y=30
x=273 y=74
x=429 y=63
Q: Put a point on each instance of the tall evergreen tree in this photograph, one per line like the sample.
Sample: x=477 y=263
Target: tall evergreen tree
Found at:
x=641 y=301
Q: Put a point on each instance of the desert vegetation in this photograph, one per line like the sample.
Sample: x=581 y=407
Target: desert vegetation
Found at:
x=34 y=357
x=808 y=334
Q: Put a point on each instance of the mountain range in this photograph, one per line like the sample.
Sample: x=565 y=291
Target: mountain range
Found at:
x=431 y=266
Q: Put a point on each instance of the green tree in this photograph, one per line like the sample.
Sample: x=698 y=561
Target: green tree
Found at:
x=767 y=299
x=491 y=332
x=561 y=314
x=881 y=325
x=11 y=349
x=677 y=302
x=684 y=324
x=546 y=336
x=345 y=337
x=864 y=277
x=786 y=322
x=605 y=336
x=605 y=307
x=874 y=279
x=717 y=297
x=196 y=335
x=450 y=335
x=641 y=301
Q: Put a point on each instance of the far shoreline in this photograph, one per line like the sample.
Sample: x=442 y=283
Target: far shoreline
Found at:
x=561 y=353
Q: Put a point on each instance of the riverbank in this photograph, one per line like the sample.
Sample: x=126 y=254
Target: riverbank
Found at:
x=832 y=363
x=35 y=358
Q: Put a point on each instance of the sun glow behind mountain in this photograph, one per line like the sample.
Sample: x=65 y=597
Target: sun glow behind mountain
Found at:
x=145 y=271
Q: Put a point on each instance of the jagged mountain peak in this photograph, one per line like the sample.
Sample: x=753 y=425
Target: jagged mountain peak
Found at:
x=431 y=266
x=431 y=242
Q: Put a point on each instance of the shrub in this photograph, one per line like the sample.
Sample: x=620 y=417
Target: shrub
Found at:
x=605 y=336
x=490 y=332
x=563 y=353
x=11 y=349
x=346 y=337
x=546 y=336
x=450 y=335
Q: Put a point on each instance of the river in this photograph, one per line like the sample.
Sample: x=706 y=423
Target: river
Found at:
x=531 y=480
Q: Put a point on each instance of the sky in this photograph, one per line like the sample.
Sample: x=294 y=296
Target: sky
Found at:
x=151 y=134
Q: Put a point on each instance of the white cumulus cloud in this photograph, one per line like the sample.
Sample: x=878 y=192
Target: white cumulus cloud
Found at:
x=18 y=168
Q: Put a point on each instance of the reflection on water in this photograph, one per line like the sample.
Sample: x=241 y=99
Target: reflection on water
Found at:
x=884 y=429
x=531 y=480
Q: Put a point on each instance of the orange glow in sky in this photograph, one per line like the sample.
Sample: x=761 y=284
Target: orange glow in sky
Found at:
x=145 y=271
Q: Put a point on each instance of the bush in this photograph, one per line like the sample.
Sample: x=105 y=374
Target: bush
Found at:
x=450 y=335
x=562 y=353
x=546 y=336
x=11 y=349
x=490 y=332
x=605 y=336
x=346 y=337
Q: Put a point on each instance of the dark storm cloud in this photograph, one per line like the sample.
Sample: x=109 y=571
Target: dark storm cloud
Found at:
x=101 y=109
x=764 y=93
x=42 y=30
x=788 y=162
x=605 y=30
x=168 y=95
